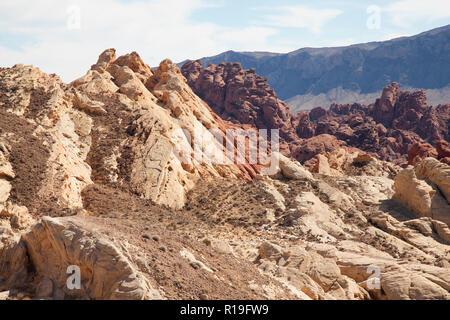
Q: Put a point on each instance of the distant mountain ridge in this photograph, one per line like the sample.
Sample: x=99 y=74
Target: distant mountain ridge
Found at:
x=309 y=77
x=389 y=128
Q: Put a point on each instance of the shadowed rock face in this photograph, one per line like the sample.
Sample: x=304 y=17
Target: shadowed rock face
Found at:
x=443 y=150
x=120 y=123
x=388 y=128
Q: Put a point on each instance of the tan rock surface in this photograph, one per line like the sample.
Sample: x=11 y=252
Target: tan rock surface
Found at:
x=435 y=172
x=55 y=244
x=292 y=169
x=146 y=212
x=424 y=189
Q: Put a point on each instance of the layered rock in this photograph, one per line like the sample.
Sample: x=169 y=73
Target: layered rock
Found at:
x=344 y=162
x=105 y=273
x=420 y=151
x=341 y=237
x=241 y=96
x=157 y=152
x=425 y=189
x=389 y=127
x=153 y=215
x=122 y=125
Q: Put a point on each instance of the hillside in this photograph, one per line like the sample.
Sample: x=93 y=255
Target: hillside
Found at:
x=100 y=184
x=311 y=77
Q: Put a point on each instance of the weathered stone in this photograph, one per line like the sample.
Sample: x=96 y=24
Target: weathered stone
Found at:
x=57 y=243
x=420 y=189
x=293 y=170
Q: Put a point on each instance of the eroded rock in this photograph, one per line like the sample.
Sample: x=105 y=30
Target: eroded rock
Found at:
x=54 y=244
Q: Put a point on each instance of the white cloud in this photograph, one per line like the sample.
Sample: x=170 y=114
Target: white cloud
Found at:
x=241 y=37
x=407 y=13
x=156 y=29
x=394 y=36
x=301 y=17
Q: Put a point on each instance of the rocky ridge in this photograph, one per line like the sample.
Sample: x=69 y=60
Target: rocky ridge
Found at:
x=310 y=77
x=91 y=176
x=388 y=128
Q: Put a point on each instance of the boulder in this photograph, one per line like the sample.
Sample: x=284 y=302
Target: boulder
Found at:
x=420 y=189
x=293 y=170
x=322 y=166
x=403 y=285
x=435 y=172
x=419 y=151
x=416 y=194
x=54 y=244
x=442 y=230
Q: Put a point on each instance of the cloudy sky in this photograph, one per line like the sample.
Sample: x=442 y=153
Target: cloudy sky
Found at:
x=66 y=37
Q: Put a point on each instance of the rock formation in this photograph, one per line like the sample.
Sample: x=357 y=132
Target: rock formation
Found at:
x=241 y=96
x=107 y=273
x=421 y=151
x=425 y=189
x=310 y=77
x=106 y=178
x=394 y=125
x=329 y=235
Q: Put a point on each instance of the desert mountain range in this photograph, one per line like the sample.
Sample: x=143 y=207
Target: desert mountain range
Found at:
x=91 y=179
x=311 y=77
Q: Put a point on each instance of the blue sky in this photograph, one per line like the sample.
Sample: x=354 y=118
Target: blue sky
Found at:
x=65 y=37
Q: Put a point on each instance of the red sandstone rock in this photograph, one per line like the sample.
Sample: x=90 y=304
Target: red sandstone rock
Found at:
x=398 y=120
x=443 y=149
x=420 y=151
x=383 y=110
x=317 y=113
x=241 y=96
x=316 y=145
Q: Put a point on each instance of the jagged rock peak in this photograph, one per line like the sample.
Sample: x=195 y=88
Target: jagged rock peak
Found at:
x=389 y=127
x=242 y=96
